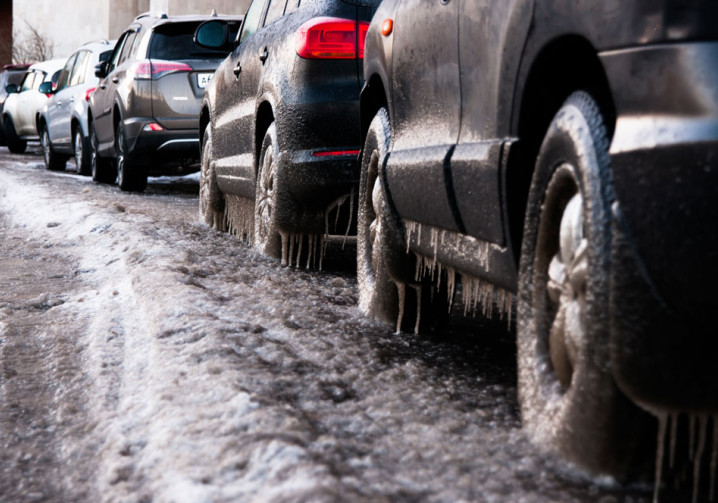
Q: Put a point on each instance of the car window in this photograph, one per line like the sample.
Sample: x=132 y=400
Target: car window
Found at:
x=63 y=80
x=116 y=53
x=80 y=69
x=175 y=41
x=28 y=81
x=40 y=78
x=127 y=47
x=251 y=20
x=275 y=10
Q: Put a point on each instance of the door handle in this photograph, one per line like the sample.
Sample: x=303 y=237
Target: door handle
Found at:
x=103 y=85
x=115 y=80
x=59 y=103
x=72 y=100
x=265 y=54
x=237 y=70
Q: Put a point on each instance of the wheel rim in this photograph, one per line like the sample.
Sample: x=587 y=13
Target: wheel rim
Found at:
x=120 y=156
x=565 y=255
x=374 y=208
x=93 y=153
x=265 y=202
x=78 y=151
x=46 y=146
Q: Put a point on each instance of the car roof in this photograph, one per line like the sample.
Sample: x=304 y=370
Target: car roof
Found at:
x=49 y=66
x=157 y=19
x=98 y=45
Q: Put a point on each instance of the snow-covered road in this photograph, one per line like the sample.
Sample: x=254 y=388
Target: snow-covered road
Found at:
x=147 y=357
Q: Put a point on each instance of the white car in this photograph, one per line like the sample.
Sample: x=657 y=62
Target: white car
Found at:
x=23 y=104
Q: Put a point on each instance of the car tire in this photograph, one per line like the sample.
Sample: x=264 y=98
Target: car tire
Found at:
x=570 y=404
x=53 y=160
x=211 y=199
x=130 y=176
x=103 y=169
x=378 y=295
x=14 y=143
x=81 y=147
x=267 y=238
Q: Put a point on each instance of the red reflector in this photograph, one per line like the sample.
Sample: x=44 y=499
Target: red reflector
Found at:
x=331 y=38
x=88 y=93
x=153 y=126
x=328 y=153
x=156 y=68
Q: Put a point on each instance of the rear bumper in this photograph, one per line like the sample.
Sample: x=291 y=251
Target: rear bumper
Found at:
x=664 y=159
x=171 y=146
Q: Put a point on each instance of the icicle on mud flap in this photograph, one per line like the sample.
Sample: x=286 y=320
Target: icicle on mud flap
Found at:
x=697 y=437
x=239 y=217
x=337 y=206
x=476 y=293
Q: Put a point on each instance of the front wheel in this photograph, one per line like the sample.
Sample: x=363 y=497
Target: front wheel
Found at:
x=211 y=200
x=53 y=160
x=130 y=176
x=378 y=296
x=266 y=231
x=570 y=404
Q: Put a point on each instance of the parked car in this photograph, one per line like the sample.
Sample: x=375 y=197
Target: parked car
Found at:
x=143 y=114
x=23 y=104
x=563 y=153
x=63 y=119
x=11 y=74
x=280 y=123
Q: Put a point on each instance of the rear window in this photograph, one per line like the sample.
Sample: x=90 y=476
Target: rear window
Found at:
x=366 y=3
x=173 y=41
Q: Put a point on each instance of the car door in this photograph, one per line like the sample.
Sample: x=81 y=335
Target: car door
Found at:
x=104 y=95
x=238 y=86
x=58 y=111
x=26 y=99
x=492 y=35
x=426 y=110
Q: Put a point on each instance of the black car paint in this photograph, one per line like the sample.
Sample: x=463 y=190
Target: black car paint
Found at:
x=314 y=104
x=651 y=67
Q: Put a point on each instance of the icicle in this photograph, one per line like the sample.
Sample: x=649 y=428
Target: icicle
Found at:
x=299 y=250
x=310 y=250
x=714 y=458
x=292 y=239
x=239 y=213
x=674 y=435
x=401 y=290
x=418 y=309
x=703 y=426
x=662 y=418
x=692 y=420
x=321 y=251
x=285 y=238
x=450 y=285
x=351 y=216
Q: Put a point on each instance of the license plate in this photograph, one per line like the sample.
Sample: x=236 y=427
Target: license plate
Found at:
x=203 y=79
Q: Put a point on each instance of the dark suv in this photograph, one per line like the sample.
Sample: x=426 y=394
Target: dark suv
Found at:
x=280 y=123
x=567 y=153
x=143 y=114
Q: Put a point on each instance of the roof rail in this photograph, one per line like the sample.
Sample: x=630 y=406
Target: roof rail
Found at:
x=161 y=15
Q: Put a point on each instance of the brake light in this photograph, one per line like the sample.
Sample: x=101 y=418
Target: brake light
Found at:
x=156 y=68
x=330 y=153
x=331 y=38
x=88 y=93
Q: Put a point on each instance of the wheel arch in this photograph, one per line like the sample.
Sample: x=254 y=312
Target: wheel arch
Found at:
x=204 y=118
x=373 y=98
x=563 y=66
x=265 y=117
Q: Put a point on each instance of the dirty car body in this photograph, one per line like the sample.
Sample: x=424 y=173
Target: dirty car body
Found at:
x=483 y=105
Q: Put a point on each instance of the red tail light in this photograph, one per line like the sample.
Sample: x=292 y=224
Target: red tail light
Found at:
x=156 y=68
x=331 y=38
x=88 y=93
x=332 y=153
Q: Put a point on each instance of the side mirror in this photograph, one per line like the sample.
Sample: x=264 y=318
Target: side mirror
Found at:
x=212 y=34
x=101 y=70
x=46 y=88
x=11 y=88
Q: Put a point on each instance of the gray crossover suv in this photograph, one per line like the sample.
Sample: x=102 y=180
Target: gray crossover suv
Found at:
x=143 y=116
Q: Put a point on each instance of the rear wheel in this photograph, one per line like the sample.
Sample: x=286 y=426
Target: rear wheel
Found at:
x=53 y=160
x=570 y=403
x=14 y=143
x=266 y=232
x=82 y=150
x=103 y=169
x=130 y=176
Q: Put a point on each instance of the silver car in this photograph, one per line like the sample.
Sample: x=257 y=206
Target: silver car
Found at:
x=62 y=125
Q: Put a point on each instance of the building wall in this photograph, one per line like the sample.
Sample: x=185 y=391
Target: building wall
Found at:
x=5 y=32
x=70 y=23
